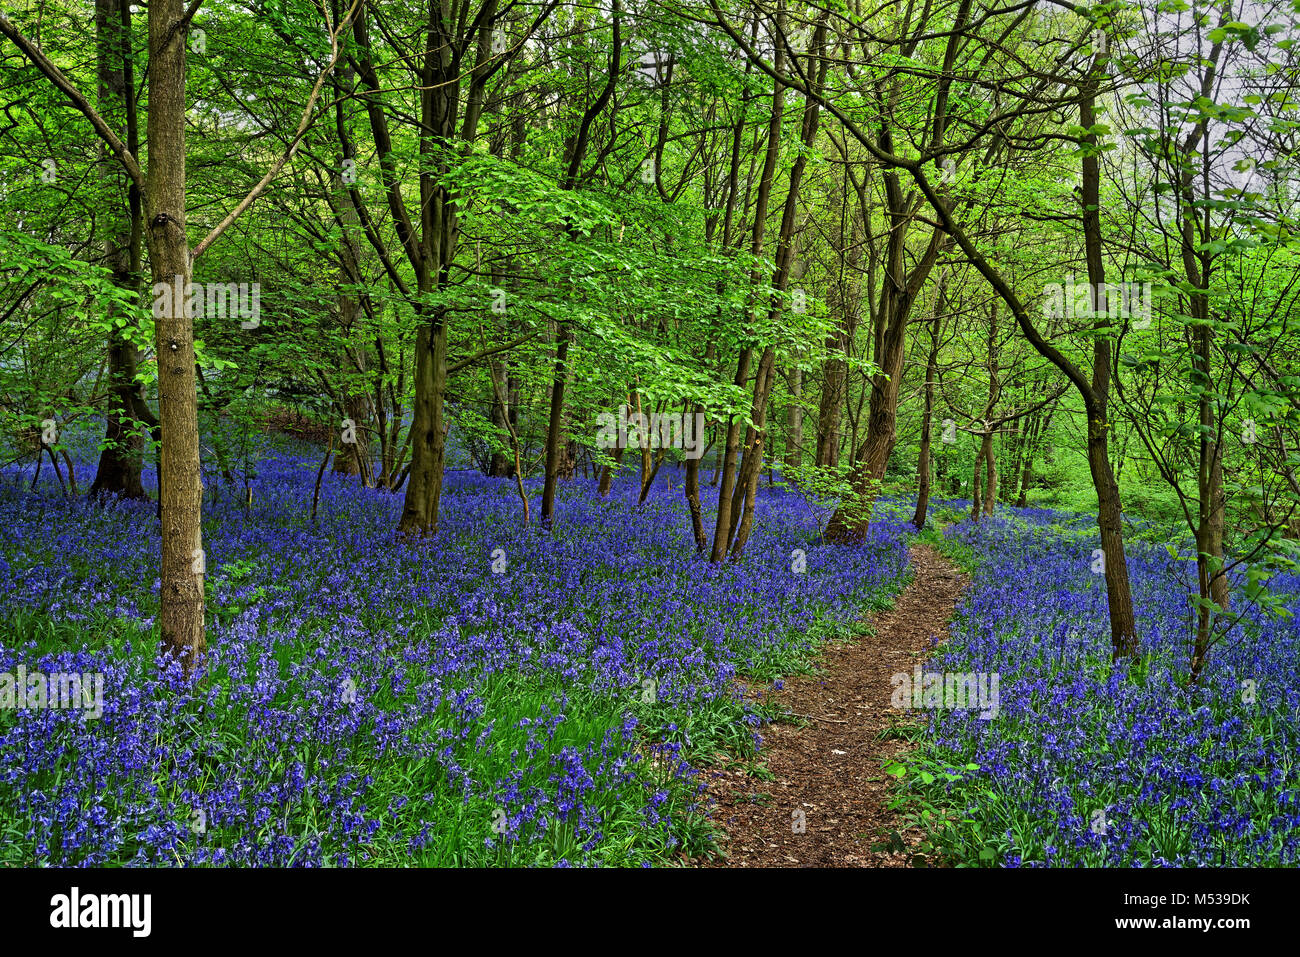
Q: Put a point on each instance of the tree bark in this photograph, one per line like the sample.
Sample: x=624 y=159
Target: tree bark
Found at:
x=127 y=415
x=726 y=490
x=500 y=465
x=1032 y=430
x=991 y=479
x=432 y=248
x=354 y=458
x=897 y=296
x=927 y=415
x=794 y=421
x=558 y=383
x=181 y=499
x=1110 y=518
x=741 y=513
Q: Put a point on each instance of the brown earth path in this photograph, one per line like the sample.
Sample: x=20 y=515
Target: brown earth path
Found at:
x=829 y=766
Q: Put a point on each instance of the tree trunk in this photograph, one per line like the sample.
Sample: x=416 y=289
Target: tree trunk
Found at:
x=553 y=429
x=747 y=487
x=181 y=500
x=723 y=527
x=1027 y=455
x=575 y=154
x=991 y=482
x=927 y=415
x=742 y=509
x=994 y=395
x=844 y=303
x=430 y=251
x=1110 y=519
x=897 y=296
x=500 y=466
x=428 y=433
x=692 y=481
x=794 y=421
x=353 y=458
x=127 y=415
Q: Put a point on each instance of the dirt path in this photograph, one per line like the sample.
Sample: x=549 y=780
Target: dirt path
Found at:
x=830 y=768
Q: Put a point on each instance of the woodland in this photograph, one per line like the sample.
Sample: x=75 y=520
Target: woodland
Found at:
x=492 y=433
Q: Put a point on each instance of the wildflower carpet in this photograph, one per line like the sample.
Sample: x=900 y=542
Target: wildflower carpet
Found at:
x=498 y=695
x=503 y=695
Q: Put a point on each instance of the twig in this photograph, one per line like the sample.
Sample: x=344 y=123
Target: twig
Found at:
x=315 y=497
x=815 y=717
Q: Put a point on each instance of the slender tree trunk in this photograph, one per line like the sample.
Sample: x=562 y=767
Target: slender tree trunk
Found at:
x=994 y=396
x=183 y=562
x=839 y=344
x=1110 y=521
x=794 y=421
x=896 y=299
x=500 y=466
x=723 y=527
x=991 y=480
x=127 y=415
x=1110 y=518
x=553 y=440
x=747 y=487
x=1095 y=393
x=576 y=152
x=428 y=433
x=432 y=251
x=1211 y=578
x=353 y=459
x=1032 y=431
x=643 y=442
x=692 y=482
x=927 y=415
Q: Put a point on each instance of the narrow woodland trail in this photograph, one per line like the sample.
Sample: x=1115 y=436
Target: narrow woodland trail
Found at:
x=830 y=767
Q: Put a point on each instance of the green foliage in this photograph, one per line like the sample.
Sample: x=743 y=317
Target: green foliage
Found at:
x=828 y=490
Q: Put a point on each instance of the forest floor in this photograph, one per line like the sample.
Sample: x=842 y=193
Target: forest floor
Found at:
x=829 y=765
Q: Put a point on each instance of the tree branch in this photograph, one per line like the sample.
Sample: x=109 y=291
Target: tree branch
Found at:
x=470 y=360
x=299 y=133
x=55 y=75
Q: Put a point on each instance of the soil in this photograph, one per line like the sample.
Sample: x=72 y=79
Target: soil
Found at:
x=827 y=761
